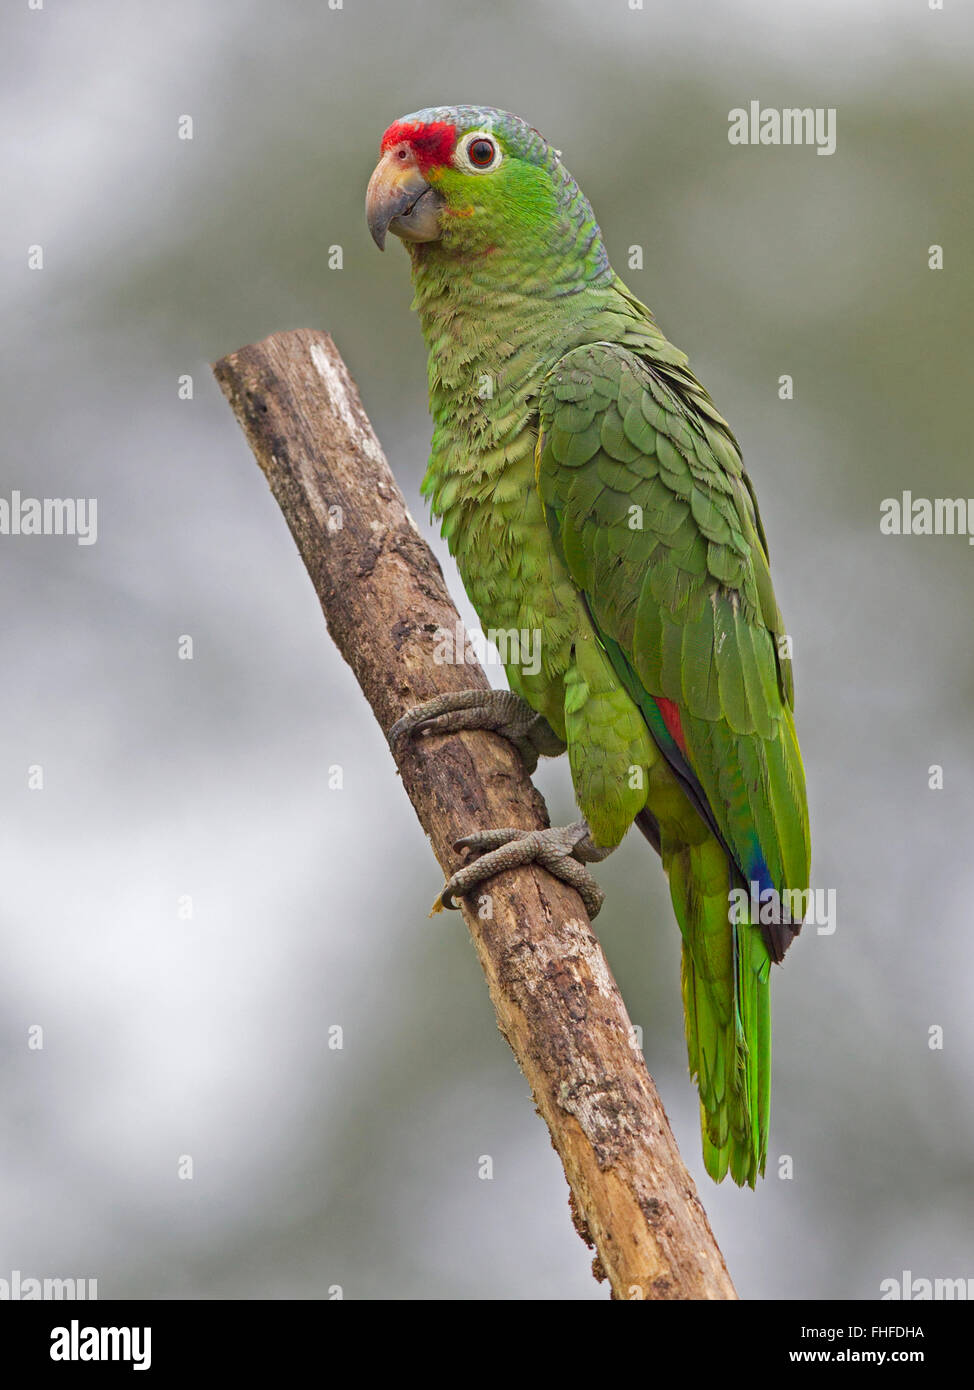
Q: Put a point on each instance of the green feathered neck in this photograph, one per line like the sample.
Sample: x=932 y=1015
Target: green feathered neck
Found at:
x=520 y=276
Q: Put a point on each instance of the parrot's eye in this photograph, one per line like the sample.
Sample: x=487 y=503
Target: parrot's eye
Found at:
x=480 y=152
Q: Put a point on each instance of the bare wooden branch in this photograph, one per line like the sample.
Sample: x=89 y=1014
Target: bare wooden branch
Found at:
x=557 y=1004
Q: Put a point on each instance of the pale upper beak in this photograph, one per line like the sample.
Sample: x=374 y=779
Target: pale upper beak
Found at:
x=399 y=200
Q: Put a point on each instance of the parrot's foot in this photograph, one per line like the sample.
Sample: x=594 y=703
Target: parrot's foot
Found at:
x=501 y=711
x=563 y=851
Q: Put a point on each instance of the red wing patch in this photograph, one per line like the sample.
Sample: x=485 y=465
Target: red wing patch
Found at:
x=671 y=718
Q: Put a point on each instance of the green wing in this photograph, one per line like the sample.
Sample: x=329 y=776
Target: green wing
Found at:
x=649 y=505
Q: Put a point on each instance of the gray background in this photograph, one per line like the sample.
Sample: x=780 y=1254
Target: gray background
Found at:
x=208 y=1037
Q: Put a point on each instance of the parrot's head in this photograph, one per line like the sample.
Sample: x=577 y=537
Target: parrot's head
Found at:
x=474 y=180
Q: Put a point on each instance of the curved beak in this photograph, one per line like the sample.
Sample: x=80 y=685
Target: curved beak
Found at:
x=399 y=200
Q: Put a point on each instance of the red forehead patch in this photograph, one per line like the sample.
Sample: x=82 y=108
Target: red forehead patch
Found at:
x=431 y=144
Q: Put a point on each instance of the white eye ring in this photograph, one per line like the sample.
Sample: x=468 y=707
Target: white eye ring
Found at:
x=462 y=156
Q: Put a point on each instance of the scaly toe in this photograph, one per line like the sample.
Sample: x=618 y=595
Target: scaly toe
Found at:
x=483 y=840
x=490 y=852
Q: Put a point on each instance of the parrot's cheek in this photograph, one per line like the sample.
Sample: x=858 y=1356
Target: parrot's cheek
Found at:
x=421 y=220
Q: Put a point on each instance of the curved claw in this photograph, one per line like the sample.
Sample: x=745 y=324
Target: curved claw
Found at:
x=445 y=900
x=481 y=841
x=435 y=716
x=404 y=729
x=499 y=711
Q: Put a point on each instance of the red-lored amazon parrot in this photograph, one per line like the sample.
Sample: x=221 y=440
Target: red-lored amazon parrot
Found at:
x=593 y=497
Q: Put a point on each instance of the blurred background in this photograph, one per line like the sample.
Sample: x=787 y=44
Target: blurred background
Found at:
x=167 y=1035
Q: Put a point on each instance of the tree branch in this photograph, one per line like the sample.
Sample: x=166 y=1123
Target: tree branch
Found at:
x=557 y=1004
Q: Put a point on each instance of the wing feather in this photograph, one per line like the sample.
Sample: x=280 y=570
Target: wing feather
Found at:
x=649 y=504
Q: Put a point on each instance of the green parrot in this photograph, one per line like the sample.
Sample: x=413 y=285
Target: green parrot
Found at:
x=594 y=498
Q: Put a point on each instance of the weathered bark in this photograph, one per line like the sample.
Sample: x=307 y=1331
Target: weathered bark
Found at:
x=557 y=1004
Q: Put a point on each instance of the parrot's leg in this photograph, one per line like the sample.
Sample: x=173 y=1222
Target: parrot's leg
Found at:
x=501 y=711
x=563 y=851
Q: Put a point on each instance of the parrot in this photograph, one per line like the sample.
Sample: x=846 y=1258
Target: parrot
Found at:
x=592 y=495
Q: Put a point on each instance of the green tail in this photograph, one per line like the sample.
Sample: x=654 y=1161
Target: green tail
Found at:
x=727 y=1012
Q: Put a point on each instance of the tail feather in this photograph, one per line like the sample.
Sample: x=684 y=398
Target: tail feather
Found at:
x=726 y=1003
